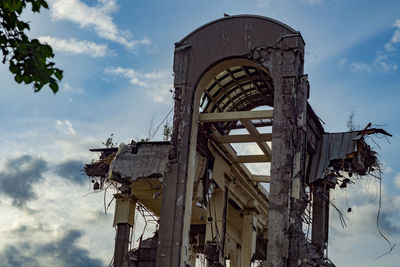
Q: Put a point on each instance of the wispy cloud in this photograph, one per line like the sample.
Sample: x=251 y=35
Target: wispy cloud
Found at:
x=77 y=47
x=96 y=17
x=66 y=87
x=157 y=84
x=382 y=61
x=397 y=180
x=65 y=127
x=134 y=77
x=359 y=67
x=395 y=40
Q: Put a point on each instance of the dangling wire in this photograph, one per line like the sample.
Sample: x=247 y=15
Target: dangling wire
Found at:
x=391 y=247
x=159 y=125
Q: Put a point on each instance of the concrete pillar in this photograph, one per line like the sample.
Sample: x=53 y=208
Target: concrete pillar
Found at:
x=239 y=255
x=288 y=143
x=214 y=227
x=320 y=215
x=233 y=255
x=249 y=235
x=124 y=217
x=176 y=208
x=121 y=243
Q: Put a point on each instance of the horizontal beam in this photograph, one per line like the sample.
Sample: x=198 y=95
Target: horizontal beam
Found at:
x=245 y=138
x=261 y=178
x=260 y=123
x=265 y=148
x=252 y=158
x=235 y=116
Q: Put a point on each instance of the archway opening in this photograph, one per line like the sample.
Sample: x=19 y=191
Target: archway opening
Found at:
x=243 y=87
x=234 y=100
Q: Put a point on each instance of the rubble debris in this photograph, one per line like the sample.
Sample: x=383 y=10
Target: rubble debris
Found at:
x=347 y=152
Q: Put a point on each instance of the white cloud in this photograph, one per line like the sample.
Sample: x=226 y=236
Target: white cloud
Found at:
x=76 y=47
x=134 y=77
x=97 y=17
x=65 y=127
x=361 y=239
x=382 y=62
x=396 y=37
x=389 y=47
x=157 y=84
x=359 y=67
x=386 y=169
x=396 y=180
x=73 y=90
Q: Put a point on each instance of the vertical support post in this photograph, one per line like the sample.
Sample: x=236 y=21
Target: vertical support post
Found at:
x=173 y=239
x=121 y=243
x=233 y=262
x=288 y=149
x=124 y=217
x=320 y=215
x=298 y=200
x=238 y=255
x=215 y=227
x=249 y=236
x=224 y=220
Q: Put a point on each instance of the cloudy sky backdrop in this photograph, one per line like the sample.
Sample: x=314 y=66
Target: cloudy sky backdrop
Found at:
x=117 y=57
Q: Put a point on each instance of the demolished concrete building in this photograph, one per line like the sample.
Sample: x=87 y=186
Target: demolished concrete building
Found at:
x=239 y=72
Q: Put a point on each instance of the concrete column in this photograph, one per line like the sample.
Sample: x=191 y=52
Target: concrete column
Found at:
x=176 y=208
x=239 y=255
x=320 y=215
x=121 y=243
x=286 y=187
x=249 y=235
x=233 y=255
x=124 y=217
x=214 y=227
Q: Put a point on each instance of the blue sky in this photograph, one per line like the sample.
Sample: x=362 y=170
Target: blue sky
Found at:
x=117 y=60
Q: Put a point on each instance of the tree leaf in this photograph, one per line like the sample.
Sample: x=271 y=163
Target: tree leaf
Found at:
x=54 y=86
x=28 y=59
x=18 y=78
x=59 y=74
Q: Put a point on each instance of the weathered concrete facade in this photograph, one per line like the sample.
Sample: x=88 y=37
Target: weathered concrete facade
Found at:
x=280 y=51
x=239 y=73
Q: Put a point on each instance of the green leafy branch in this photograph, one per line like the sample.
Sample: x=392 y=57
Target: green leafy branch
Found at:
x=28 y=59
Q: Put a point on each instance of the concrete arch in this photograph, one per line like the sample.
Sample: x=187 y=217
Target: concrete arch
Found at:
x=234 y=36
x=227 y=84
x=272 y=48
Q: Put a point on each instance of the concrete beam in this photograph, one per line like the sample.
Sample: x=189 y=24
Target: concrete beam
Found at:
x=261 y=178
x=253 y=158
x=235 y=116
x=245 y=138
